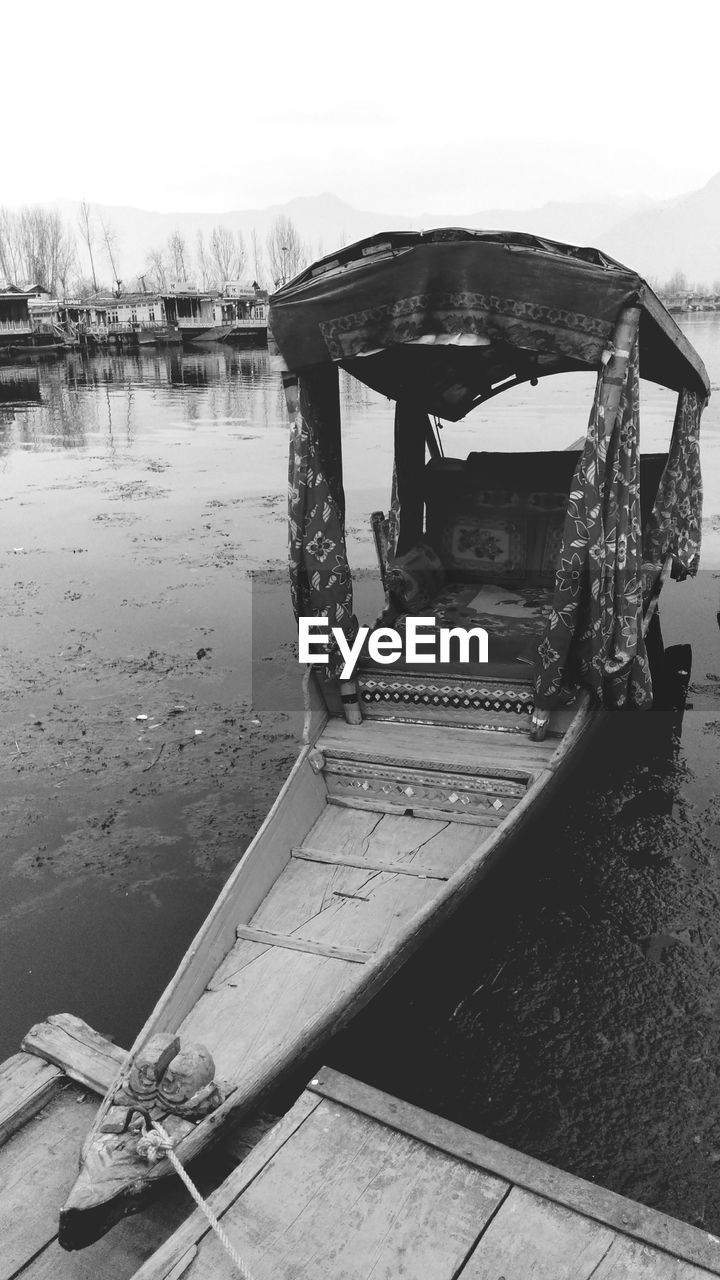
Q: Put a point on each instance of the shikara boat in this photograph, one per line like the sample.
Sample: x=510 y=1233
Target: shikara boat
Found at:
x=415 y=776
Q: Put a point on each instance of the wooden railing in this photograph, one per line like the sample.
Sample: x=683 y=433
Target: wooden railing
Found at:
x=15 y=326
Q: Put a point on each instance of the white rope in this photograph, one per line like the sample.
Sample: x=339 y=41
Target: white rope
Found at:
x=150 y=1145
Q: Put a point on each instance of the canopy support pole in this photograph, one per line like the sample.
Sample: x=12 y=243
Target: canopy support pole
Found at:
x=615 y=368
x=411 y=429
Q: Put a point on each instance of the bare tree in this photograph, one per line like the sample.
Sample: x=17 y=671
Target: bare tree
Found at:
x=258 y=258
x=109 y=235
x=677 y=282
x=36 y=247
x=87 y=232
x=241 y=256
x=286 y=251
x=203 y=262
x=66 y=260
x=228 y=254
x=156 y=270
x=83 y=287
x=9 y=250
x=177 y=249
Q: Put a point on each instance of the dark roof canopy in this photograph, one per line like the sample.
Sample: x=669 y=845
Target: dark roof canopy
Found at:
x=450 y=317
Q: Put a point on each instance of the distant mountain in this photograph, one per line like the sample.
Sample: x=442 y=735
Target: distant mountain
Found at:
x=681 y=234
x=656 y=238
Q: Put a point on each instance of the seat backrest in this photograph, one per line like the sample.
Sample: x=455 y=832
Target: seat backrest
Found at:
x=499 y=517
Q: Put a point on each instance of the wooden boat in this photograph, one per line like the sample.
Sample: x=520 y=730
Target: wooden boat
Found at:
x=409 y=785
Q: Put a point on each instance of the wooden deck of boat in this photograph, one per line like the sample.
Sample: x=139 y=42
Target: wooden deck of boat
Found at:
x=400 y=809
x=353 y=1184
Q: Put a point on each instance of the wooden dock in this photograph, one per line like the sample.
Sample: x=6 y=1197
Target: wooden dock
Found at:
x=354 y=1184
x=46 y=1110
x=351 y=1184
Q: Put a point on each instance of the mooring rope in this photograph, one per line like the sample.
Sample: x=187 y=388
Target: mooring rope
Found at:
x=157 y=1140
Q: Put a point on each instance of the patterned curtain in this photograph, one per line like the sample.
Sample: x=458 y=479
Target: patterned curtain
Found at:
x=593 y=635
x=674 y=526
x=320 y=578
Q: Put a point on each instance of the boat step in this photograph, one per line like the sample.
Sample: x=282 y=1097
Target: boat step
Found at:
x=449 y=749
x=365 y=864
x=472 y=796
x=246 y=933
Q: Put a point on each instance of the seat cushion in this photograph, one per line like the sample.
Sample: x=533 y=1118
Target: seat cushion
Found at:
x=513 y=617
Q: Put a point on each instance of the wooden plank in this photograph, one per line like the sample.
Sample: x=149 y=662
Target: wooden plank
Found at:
x=470 y=780
x=630 y=1260
x=420 y=811
x=607 y=1207
x=77 y=1049
x=26 y=1084
x=394 y=868
x=249 y=934
x=37 y=1168
x=531 y=1237
x=117 y=1255
x=345 y=907
x=438 y=844
x=445 y=746
x=260 y=1020
x=349 y=1198
x=192 y=1231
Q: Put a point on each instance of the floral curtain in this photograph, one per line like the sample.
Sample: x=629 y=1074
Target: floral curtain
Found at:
x=674 y=526
x=593 y=635
x=320 y=578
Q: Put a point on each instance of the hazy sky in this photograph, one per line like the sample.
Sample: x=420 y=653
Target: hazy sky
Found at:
x=395 y=107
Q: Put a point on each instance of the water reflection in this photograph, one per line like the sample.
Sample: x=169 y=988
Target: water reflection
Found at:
x=62 y=405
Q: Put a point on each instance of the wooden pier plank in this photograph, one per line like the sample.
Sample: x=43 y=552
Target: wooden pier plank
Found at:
x=183 y=1244
x=629 y=1260
x=627 y=1217
x=350 y=1197
x=531 y=1238
x=37 y=1168
x=26 y=1084
x=82 y=1053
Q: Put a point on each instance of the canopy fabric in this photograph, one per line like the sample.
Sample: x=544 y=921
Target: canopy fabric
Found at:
x=594 y=632
x=674 y=526
x=320 y=578
x=446 y=317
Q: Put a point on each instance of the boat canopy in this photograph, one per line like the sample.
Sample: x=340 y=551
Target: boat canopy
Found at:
x=450 y=317
x=440 y=321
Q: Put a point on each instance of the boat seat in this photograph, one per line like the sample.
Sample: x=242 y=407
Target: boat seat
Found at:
x=513 y=617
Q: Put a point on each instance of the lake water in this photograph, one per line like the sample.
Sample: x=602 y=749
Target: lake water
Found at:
x=149 y=702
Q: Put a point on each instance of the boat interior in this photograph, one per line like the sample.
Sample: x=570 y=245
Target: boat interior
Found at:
x=386 y=815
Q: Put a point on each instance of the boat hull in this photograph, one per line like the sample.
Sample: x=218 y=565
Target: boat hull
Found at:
x=331 y=898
